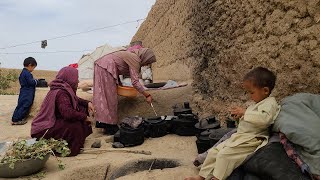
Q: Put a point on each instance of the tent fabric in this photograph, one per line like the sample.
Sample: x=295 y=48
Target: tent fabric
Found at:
x=86 y=63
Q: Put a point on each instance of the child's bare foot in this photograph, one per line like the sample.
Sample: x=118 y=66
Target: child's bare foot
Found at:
x=194 y=178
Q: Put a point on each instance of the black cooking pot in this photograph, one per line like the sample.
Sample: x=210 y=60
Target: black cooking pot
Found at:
x=187 y=120
x=155 y=85
x=209 y=122
x=131 y=136
x=217 y=134
x=169 y=120
x=155 y=127
x=42 y=83
x=116 y=136
x=203 y=141
x=231 y=123
x=179 y=111
x=184 y=125
x=182 y=110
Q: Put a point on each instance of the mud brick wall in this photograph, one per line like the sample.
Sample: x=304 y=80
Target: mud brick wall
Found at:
x=216 y=42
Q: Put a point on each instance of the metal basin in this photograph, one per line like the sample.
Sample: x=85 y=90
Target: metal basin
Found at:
x=23 y=168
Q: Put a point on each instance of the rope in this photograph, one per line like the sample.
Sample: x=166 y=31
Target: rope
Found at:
x=74 y=34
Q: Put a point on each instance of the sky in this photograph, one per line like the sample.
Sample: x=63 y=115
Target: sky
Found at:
x=27 y=21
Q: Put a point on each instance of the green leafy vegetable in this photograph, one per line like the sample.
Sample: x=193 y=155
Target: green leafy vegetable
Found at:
x=21 y=151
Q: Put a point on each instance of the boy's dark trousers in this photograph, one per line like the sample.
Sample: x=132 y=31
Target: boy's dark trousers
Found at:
x=25 y=102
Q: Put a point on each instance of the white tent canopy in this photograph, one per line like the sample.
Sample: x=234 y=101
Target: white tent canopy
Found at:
x=86 y=63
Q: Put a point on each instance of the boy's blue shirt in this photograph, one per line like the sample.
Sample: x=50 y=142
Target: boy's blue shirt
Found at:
x=26 y=80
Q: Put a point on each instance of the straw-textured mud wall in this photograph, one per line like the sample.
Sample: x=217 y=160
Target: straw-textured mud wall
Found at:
x=215 y=42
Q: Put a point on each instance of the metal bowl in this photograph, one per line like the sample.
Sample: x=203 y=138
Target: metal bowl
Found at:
x=155 y=85
x=23 y=168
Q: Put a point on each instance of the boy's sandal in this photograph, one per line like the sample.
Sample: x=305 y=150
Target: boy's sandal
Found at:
x=19 y=122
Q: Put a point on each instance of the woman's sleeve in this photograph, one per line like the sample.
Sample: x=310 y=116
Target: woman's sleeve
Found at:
x=66 y=110
x=135 y=80
x=84 y=105
x=83 y=102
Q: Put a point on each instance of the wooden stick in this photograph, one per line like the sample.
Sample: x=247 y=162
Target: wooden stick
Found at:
x=44 y=133
x=95 y=151
x=152 y=165
x=147 y=172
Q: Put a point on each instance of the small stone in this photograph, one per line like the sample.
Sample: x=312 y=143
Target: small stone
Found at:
x=96 y=144
x=117 y=145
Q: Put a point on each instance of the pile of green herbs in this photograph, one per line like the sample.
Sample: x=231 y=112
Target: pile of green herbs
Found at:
x=21 y=151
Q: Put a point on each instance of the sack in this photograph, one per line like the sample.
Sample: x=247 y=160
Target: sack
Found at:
x=240 y=174
x=155 y=127
x=272 y=162
x=131 y=136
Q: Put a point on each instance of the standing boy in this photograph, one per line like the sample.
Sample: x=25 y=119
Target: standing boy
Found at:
x=27 y=92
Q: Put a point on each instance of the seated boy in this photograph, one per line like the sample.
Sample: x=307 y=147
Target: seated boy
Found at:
x=252 y=132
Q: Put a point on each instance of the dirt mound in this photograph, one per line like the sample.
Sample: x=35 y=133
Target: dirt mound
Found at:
x=219 y=41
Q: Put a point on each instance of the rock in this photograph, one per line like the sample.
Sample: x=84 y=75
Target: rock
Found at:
x=96 y=144
x=117 y=145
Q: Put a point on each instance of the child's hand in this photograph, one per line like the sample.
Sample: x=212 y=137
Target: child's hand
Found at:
x=88 y=121
x=237 y=112
x=91 y=108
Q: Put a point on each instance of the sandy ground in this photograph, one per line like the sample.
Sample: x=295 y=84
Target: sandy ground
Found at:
x=93 y=166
